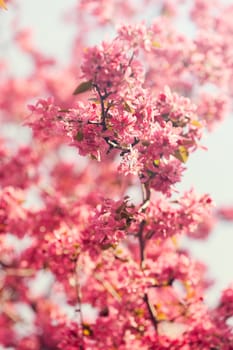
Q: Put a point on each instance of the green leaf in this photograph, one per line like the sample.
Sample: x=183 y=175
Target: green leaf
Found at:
x=127 y=107
x=156 y=162
x=83 y=87
x=79 y=136
x=182 y=154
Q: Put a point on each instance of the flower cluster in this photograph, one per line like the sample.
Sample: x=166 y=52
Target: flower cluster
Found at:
x=110 y=67
x=104 y=228
x=108 y=225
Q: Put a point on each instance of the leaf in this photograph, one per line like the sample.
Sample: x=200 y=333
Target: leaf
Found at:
x=107 y=246
x=196 y=123
x=83 y=87
x=64 y=110
x=189 y=289
x=182 y=154
x=104 y=312
x=79 y=136
x=93 y=157
x=87 y=331
x=161 y=316
x=156 y=162
x=174 y=241
x=139 y=312
x=95 y=100
x=127 y=107
x=3 y=5
x=145 y=143
x=156 y=44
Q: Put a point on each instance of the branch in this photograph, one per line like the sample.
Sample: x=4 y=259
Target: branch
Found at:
x=152 y=311
x=79 y=301
x=146 y=197
x=145 y=203
x=141 y=242
x=103 y=112
x=108 y=287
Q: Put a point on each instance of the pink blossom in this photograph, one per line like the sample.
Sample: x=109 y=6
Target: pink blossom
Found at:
x=225 y=213
x=105 y=226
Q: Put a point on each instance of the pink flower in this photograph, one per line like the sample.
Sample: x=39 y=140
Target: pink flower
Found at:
x=225 y=213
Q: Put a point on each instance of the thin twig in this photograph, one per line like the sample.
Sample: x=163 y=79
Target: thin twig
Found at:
x=151 y=311
x=141 y=242
x=108 y=287
x=79 y=301
x=141 y=239
x=103 y=113
x=146 y=197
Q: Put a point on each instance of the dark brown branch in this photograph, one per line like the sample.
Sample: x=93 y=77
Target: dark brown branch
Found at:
x=79 y=301
x=141 y=242
x=114 y=144
x=103 y=112
x=141 y=238
x=152 y=311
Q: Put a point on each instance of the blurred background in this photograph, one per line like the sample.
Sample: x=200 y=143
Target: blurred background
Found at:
x=208 y=171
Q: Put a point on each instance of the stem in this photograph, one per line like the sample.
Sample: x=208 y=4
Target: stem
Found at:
x=146 y=197
x=141 y=242
x=141 y=238
x=79 y=301
x=145 y=203
x=152 y=311
x=103 y=114
x=108 y=287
